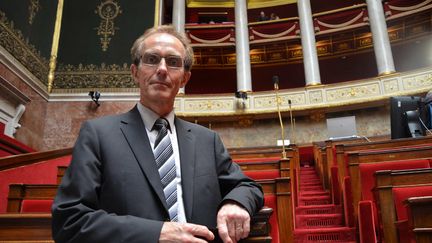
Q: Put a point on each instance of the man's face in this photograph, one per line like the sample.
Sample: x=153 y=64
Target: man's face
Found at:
x=160 y=72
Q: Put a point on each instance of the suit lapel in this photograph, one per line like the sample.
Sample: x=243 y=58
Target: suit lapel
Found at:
x=135 y=133
x=186 y=143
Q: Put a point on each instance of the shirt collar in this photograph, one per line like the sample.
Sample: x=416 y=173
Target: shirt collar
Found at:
x=149 y=117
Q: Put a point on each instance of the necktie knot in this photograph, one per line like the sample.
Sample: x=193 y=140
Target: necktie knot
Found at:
x=160 y=123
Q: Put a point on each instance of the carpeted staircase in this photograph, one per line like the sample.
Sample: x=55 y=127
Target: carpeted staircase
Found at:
x=316 y=218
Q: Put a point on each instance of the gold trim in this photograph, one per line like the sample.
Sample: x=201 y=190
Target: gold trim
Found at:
x=252 y=4
x=274 y=21
x=34 y=7
x=212 y=26
x=55 y=45
x=211 y=13
x=209 y=4
x=386 y=73
x=313 y=84
x=339 y=10
x=156 y=15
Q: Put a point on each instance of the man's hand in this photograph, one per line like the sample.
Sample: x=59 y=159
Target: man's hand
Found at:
x=184 y=232
x=233 y=223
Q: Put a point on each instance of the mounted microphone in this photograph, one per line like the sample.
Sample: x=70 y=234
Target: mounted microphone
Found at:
x=275 y=79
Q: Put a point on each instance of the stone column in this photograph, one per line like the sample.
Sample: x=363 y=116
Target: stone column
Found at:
x=310 y=56
x=381 y=42
x=244 y=80
x=178 y=20
x=179 y=14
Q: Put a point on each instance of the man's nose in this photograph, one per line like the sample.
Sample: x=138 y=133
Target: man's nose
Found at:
x=162 y=64
x=162 y=67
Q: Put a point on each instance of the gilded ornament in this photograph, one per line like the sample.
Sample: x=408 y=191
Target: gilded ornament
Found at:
x=364 y=42
x=245 y=122
x=390 y=86
x=103 y=76
x=33 y=8
x=315 y=97
x=108 y=10
x=317 y=116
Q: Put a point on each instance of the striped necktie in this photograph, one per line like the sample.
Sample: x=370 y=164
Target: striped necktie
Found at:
x=165 y=162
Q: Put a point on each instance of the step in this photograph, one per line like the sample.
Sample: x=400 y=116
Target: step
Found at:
x=306 y=179
x=309 y=178
x=319 y=209
x=308 y=175
x=311 y=183
x=311 y=188
x=335 y=234
x=310 y=221
x=317 y=179
x=314 y=193
x=310 y=172
x=307 y=168
x=305 y=173
x=314 y=200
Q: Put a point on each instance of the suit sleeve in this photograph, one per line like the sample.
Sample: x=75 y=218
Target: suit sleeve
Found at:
x=76 y=215
x=235 y=186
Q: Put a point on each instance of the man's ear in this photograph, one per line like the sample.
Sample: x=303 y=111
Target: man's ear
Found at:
x=186 y=77
x=134 y=71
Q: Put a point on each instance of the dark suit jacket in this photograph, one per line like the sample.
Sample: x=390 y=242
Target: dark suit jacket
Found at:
x=112 y=192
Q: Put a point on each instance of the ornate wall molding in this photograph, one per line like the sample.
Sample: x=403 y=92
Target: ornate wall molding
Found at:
x=92 y=76
x=303 y=99
x=13 y=41
x=312 y=98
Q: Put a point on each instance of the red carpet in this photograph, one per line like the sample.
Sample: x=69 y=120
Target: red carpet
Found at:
x=316 y=218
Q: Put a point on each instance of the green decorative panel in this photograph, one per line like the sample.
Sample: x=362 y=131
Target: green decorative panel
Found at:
x=95 y=42
x=34 y=19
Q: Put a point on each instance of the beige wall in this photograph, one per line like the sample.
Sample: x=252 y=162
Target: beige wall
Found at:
x=370 y=122
x=63 y=120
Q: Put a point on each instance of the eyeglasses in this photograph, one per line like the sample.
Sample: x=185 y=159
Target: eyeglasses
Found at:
x=153 y=59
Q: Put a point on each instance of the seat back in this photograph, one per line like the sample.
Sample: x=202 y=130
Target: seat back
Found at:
x=270 y=201
x=36 y=206
x=400 y=194
x=385 y=181
x=367 y=180
x=368 y=170
x=262 y=174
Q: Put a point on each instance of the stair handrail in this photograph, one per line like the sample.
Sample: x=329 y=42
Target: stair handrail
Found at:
x=31 y=158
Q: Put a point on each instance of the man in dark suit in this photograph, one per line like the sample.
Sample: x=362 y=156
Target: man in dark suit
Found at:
x=116 y=188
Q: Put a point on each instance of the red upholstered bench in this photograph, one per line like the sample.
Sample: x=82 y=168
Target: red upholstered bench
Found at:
x=36 y=206
x=270 y=201
x=368 y=223
x=262 y=174
x=258 y=160
x=400 y=194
